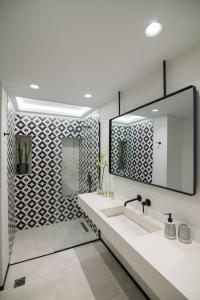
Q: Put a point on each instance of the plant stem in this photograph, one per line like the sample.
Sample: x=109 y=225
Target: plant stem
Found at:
x=102 y=176
x=102 y=170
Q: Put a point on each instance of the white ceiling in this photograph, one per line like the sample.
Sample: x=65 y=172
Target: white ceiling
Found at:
x=74 y=47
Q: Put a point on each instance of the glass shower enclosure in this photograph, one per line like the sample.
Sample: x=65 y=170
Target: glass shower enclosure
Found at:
x=73 y=164
x=76 y=229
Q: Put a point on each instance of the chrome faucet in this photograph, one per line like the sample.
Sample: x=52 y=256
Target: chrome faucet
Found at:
x=138 y=198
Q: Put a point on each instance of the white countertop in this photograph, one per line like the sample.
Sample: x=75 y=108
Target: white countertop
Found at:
x=178 y=264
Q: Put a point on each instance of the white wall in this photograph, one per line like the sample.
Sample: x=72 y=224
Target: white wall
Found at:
x=187 y=152
x=4 y=246
x=160 y=151
x=174 y=151
x=181 y=71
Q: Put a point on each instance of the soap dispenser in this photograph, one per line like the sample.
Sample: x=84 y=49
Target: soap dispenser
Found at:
x=170 y=228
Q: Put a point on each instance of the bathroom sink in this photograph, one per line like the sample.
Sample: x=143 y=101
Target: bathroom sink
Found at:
x=130 y=221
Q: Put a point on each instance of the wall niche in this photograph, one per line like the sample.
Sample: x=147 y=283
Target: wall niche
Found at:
x=23 y=154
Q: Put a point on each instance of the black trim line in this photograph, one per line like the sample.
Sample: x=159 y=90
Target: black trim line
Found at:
x=4 y=282
x=119 y=102
x=82 y=244
x=195 y=105
x=164 y=79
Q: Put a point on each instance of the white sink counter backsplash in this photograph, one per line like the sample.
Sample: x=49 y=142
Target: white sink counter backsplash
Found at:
x=170 y=268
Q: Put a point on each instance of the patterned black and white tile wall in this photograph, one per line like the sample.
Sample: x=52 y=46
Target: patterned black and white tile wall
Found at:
x=89 y=154
x=38 y=195
x=11 y=173
x=138 y=155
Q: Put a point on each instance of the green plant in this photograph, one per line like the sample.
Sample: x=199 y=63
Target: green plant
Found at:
x=101 y=164
x=26 y=153
x=20 y=151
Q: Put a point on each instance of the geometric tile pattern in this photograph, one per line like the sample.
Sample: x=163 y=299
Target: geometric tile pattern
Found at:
x=38 y=196
x=11 y=173
x=138 y=154
x=89 y=154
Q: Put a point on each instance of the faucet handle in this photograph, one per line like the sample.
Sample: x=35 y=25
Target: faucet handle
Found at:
x=139 y=198
x=148 y=202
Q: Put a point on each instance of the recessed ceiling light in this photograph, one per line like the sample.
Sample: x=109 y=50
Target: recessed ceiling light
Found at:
x=88 y=95
x=34 y=86
x=39 y=106
x=153 y=29
x=155 y=110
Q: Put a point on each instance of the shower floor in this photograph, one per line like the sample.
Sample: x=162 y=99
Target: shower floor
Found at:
x=43 y=240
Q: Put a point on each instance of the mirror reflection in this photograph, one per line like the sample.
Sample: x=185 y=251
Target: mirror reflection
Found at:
x=155 y=144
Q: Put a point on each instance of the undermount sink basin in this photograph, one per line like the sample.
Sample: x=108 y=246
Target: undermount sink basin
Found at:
x=130 y=221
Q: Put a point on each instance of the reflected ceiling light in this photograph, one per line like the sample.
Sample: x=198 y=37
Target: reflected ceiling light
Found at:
x=34 y=86
x=53 y=108
x=88 y=95
x=129 y=119
x=153 y=29
x=155 y=110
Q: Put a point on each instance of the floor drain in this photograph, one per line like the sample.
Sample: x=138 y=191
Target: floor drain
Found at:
x=19 y=282
x=84 y=227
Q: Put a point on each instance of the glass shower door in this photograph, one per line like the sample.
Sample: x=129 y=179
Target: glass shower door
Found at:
x=74 y=227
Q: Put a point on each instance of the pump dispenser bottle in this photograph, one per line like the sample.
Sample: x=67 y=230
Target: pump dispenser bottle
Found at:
x=170 y=228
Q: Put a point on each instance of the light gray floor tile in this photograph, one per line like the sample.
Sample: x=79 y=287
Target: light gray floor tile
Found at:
x=84 y=273
x=42 y=267
x=42 y=240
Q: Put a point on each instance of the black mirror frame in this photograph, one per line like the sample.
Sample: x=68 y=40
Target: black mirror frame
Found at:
x=194 y=139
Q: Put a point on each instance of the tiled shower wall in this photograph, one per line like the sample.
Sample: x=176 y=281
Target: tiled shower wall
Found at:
x=38 y=195
x=89 y=154
x=11 y=173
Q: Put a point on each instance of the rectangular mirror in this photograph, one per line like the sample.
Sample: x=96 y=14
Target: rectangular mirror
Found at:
x=156 y=143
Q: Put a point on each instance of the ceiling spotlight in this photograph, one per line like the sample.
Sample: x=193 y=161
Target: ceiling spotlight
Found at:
x=88 y=95
x=34 y=86
x=155 y=110
x=153 y=29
